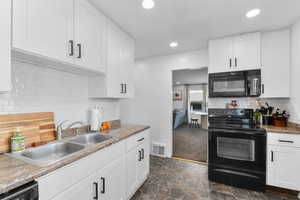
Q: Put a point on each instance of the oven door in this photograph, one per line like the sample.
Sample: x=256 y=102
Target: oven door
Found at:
x=232 y=84
x=237 y=149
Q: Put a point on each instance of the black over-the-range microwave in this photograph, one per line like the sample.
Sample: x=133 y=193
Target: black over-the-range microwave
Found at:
x=235 y=84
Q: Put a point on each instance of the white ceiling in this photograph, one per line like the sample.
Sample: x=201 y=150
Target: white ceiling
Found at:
x=193 y=22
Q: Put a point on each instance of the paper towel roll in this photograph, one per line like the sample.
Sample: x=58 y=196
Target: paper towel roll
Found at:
x=94 y=119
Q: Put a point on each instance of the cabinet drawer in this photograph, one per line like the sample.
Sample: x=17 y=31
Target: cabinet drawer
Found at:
x=63 y=178
x=284 y=139
x=136 y=140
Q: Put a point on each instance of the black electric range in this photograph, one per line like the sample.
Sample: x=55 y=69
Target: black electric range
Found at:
x=237 y=149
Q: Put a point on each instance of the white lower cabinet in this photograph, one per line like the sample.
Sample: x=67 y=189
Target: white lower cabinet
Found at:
x=131 y=172
x=283 y=161
x=112 y=181
x=137 y=162
x=86 y=189
x=114 y=173
x=144 y=164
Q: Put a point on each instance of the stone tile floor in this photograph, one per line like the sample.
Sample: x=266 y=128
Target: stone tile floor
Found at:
x=178 y=180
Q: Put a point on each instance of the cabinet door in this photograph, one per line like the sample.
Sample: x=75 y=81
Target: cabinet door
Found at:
x=144 y=164
x=132 y=160
x=84 y=190
x=220 y=55
x=112 y=181
x=283 y=167
x=90 y=33
x=114 y=62
x=44 y=27
x=5 y=39
x=276 y=64
x=128 y=61
x=247 y=52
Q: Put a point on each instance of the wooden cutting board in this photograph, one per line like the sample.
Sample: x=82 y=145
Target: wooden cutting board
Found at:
x=36 y=127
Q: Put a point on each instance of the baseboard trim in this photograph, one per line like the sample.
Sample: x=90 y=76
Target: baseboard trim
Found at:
x=192 y=161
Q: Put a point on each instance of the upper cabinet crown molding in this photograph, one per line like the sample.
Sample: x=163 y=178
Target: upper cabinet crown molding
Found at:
x=5 y=47
x=242 y=52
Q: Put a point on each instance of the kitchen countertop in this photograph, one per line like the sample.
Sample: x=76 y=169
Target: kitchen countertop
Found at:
x=14 y=173
x=289 y=129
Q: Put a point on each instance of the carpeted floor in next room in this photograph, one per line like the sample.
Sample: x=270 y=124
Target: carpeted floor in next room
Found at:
x=190 y=143
x=172 y=179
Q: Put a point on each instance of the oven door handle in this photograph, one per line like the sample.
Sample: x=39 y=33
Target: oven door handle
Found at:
x=233 y=131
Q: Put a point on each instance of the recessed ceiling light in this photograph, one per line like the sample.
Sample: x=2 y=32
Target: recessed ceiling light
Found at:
x=148 y=4
x=253 y=13
x=174 y=44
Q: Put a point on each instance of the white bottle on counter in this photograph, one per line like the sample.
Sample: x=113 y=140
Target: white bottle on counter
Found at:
x=95 y=118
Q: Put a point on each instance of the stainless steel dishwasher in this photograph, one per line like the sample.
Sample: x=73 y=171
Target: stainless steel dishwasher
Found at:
x=28 y=191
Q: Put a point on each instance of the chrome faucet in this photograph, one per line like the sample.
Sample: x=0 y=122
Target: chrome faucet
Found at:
x=75 y=123
x=59 y=130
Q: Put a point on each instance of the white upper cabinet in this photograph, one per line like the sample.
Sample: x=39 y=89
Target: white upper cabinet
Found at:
x=247 y=52
x=90 y=36
x=276 y=64
x=44 y=27
x=72 y=35
x=127 y=66
x=5 y=47
x=118 y=80
x=220 y=55
x=69 y=32
x=114 y=61
x=236 y=53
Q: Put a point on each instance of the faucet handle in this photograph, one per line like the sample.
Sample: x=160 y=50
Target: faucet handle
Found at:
x=60 y=124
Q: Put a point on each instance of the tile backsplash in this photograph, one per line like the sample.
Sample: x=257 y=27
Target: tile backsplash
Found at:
x=38 y=89
x=282 y=103
x=248 y=102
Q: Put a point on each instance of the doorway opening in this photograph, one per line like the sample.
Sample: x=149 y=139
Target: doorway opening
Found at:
x=190 y=117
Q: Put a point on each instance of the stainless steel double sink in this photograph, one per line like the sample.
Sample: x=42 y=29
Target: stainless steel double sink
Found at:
x=56 y=151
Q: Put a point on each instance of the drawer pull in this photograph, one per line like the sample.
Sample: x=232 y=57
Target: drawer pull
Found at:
x=141 y=139
x=286 y=141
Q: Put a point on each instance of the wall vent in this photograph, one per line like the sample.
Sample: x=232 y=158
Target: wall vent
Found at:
x=158 y=149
